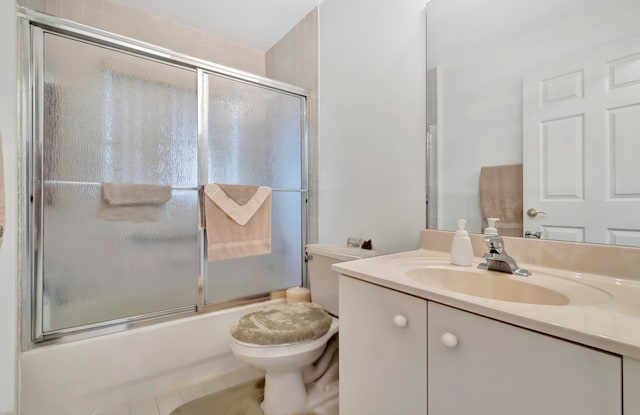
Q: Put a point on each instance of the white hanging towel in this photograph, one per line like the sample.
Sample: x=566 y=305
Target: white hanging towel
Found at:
x=237 y=220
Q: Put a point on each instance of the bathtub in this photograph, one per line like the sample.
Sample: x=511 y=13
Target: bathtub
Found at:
x=79 y=377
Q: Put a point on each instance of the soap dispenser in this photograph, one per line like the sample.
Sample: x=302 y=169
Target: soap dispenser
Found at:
x=491 y=229
x=461 y=249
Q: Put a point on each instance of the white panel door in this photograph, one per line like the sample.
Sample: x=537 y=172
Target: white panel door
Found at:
x=581 y=144
x=478 y=366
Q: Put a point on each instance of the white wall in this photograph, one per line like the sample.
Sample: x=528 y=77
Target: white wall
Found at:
x=8 y=255
x=372 y=94
x=482 y=49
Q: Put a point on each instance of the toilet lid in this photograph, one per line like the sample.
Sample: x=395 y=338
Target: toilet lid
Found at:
x=282 y=324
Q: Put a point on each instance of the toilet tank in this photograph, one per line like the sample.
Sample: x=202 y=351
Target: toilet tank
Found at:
x=323 y=282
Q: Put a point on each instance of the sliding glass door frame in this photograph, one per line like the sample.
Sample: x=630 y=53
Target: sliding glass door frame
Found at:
x=32 y=27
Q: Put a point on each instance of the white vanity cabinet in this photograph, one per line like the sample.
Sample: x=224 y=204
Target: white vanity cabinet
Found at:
x=403 y=355
x=484 y=367
x=383 y=343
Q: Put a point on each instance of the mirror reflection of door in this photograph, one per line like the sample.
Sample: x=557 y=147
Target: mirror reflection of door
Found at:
x=581 y=123
x=481 y=50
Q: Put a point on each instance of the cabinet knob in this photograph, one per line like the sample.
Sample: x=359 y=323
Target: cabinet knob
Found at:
x=400 y=320
x=449 y=340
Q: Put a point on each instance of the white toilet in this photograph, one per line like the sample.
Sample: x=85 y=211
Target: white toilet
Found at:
x=293 y=383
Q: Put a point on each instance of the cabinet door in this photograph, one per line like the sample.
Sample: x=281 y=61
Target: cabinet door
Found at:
x=497 y=369
x=631 y=379
x=383 y=366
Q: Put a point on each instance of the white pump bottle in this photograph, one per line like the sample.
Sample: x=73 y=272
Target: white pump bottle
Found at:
x=461 y=249
x=491 y=229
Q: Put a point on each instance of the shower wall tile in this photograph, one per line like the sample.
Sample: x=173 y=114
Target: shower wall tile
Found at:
x=113 y=14
x=54 y=7
x=132 y=27
x=40 y=5
x=183 y=39
x=189 y=41
x=133 y=23
x=73 y=10
x=220 y=51
x=92 y=15
x=294 y=59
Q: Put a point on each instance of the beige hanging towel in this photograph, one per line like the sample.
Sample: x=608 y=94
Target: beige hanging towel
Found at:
x=237 y=220
x=501 y=197
x=133 y=202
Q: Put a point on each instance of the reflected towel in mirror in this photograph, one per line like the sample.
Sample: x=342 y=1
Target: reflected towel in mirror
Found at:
x=501 y=197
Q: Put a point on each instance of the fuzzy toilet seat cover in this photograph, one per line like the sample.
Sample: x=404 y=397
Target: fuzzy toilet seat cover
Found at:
x=282 y=324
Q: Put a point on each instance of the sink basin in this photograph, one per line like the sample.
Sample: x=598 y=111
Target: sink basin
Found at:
x=505 y=287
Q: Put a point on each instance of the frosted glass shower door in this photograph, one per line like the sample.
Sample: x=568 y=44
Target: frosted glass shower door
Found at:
x=110 y=116
x=256 y=136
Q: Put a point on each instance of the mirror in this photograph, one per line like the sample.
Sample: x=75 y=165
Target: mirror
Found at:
x=549 y=89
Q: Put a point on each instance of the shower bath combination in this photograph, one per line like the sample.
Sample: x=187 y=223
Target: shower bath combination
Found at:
x=123 y=114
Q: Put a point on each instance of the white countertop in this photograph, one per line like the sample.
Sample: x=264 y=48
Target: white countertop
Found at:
x=611 y=322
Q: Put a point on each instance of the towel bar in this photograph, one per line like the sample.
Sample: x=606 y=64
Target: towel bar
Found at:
x=274 y=189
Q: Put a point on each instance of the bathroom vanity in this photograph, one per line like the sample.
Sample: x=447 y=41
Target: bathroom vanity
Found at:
x=411 y=343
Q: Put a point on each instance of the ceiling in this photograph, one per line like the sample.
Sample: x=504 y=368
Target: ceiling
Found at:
x=257 y=24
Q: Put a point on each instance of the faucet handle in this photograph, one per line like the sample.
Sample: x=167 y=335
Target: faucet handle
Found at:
x=495 y=243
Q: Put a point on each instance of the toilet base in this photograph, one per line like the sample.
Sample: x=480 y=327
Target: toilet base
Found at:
x=284 y=393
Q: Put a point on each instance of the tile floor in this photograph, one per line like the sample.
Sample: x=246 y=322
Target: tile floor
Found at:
x=166 y=401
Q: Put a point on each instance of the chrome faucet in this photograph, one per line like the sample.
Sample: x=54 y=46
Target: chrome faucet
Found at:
x=498 y=259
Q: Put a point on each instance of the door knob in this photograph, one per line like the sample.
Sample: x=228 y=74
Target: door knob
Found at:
x=532 y=213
